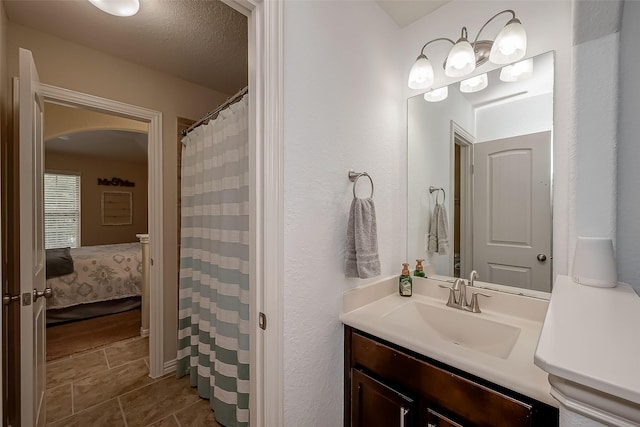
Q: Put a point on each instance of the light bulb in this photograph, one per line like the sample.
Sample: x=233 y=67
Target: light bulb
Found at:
x=516 y=72
x=510 y=45
x=436 y=95
x=474 y=84
x=117 y=7
x=421 y=74
x=461 y=59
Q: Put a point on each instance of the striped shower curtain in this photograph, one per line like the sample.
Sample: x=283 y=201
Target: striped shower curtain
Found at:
x=213 y=330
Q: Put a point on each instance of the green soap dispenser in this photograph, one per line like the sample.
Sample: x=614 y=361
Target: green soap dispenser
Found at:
x=406 y=283
x=419 y=271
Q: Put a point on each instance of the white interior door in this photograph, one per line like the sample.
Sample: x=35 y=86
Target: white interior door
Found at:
x=32 y=254
x=512 y=211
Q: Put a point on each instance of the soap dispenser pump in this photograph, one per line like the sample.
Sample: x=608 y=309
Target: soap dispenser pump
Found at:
x=406 y=283
x=419 y=271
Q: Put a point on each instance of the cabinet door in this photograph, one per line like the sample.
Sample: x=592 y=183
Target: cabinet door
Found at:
x=376 y=404
x=434 y=419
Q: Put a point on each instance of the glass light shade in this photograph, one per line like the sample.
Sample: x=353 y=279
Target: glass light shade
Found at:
x=118 y=7
x=510 y=45
x=594 y=263
x=437 y=95
x=421 y=74
x=516 y=72
x=474 y=84
x=461 y=59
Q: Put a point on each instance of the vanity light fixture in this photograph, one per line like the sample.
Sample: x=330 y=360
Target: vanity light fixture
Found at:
x=463 y=58
x=421 y=74
x=517 y=72
x=117 y=7
x=437 y=95
x=474 y=84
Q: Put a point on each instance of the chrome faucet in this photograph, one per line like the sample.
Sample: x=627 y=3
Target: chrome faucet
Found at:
x=458 y=296
x=472 y=277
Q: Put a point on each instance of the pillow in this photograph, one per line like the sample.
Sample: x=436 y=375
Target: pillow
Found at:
x=59 y=262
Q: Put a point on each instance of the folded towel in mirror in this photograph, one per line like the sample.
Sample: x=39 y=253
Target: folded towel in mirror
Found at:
x=439 y=231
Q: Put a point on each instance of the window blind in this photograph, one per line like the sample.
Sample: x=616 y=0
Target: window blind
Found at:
x=61 y=210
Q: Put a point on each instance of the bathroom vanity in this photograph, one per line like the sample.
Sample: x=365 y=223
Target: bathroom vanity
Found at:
x=387 y=385
x=415 y=362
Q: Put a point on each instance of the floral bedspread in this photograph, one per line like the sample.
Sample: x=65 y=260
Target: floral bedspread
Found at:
x=101 y=273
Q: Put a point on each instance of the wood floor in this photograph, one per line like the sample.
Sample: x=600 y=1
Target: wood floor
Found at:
x=74 y=337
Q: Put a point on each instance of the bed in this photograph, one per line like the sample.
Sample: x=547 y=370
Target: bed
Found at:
x=105 y=279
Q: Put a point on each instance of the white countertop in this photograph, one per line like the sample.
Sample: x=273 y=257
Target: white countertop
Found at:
x=364 y=309
x=591 y=336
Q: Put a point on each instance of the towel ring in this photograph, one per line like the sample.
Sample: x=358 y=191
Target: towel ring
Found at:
x=444 y=194
x=355 y=176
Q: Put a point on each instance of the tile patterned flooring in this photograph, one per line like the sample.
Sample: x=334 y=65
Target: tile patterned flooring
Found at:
x=110 y=386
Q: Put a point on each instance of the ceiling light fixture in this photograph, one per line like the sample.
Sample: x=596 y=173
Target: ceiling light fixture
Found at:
x=463 y=58
x=517 y=72
x=118 y=7
x=437 y=95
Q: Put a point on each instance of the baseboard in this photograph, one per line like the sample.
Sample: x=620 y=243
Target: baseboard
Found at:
x=144 y=332
x=169 y=367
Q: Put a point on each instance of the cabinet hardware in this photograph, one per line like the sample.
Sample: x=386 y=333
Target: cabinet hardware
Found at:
x=26 y=299
x=403 y=416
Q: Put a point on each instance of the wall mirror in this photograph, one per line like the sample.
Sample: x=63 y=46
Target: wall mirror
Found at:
x=484 y=147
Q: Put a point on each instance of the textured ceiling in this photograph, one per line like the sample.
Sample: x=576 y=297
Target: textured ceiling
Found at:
x=202 y=41
x=111 y=144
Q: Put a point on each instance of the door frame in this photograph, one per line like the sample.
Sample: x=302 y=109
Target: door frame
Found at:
x=63 y=96
x=266 y=148
x=459 y=136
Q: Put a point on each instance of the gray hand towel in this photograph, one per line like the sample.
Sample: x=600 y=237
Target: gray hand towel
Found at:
x=439 y=231
x=432 y=246
x=443 y=231
x=361 y=254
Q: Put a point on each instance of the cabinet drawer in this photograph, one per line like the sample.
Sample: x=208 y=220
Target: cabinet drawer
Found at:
x=471 y=402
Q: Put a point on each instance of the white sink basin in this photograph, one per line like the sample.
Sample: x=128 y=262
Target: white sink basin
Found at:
x=469 y=330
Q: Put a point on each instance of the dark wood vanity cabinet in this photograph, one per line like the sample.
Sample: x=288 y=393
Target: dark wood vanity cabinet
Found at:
x=374 y=403
x=386 y=386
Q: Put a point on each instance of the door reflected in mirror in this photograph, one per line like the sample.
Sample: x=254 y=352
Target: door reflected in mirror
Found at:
x=490 y=152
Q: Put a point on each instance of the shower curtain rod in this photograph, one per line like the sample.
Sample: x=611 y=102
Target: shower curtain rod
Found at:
x=213 y=114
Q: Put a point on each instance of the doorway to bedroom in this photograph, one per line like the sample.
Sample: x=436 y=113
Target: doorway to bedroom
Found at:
x=96 y=225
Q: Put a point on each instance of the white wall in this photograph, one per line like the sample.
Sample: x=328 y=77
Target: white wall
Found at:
x=344 y=109
x=628 y=202
x=515 y=117
x=596 y=110
x=549 y=27
x=429 y=143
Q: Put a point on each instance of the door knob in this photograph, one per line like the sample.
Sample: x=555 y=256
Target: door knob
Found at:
x=541 y=257
x=47 y=293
